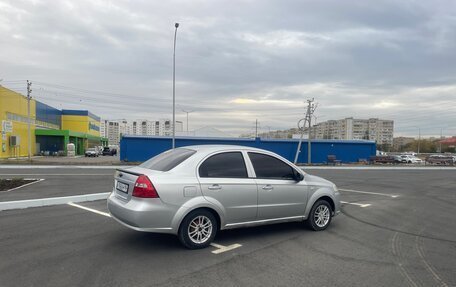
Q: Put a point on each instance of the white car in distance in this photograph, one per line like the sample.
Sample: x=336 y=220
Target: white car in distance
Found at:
x=411 y=159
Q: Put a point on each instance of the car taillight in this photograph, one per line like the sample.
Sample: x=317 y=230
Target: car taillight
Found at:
x=144 y=188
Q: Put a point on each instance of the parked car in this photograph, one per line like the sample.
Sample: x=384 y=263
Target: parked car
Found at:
x=109 y=151
x=411 y=159
x=384 y=159
x=397 y=158
x=441 y=159
x=100 y=150
x=196 y=191
x=91 y=152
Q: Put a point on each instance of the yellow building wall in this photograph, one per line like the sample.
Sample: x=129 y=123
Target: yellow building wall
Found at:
x=15 y=103
x=75 y=123
x=81 y=124
x=94 y=127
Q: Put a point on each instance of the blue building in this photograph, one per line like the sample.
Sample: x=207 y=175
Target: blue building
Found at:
x=141 y=148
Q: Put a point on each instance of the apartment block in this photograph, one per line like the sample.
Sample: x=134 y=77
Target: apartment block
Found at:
x=114 y=129
x=378 y=130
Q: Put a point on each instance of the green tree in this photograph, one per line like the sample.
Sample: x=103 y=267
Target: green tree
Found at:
x=426 y=146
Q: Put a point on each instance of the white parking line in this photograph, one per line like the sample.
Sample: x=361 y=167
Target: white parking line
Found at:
x=357 y=204
x=221 y=248
x=89 y=209
x=368 y=192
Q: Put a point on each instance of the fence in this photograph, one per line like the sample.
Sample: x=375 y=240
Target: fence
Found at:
x=141 y=148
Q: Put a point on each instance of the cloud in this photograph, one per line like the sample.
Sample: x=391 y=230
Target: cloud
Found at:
x=237 y=61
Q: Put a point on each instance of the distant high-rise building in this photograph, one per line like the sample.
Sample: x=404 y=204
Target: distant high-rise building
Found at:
x=378 y=130
x=115 y=129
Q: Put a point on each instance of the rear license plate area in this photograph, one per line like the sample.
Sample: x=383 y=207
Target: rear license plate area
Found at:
x=122 y=187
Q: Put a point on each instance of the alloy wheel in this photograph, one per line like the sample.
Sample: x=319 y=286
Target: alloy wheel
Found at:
x=200 y=229
x=322 y=215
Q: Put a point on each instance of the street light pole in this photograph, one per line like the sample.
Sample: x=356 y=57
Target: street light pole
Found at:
x=176 y=25
x=419 y=139
x=440 y=141
x=187 y=112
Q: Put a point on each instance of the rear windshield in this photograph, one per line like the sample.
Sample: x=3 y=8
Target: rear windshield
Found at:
x=168 y=160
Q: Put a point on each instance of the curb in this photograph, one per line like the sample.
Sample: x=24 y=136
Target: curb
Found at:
x=64 y=166
x=21 y=204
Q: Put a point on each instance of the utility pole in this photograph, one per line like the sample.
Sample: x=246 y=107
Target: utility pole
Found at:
x=298 y=151
x=315 y=127
x=176 y=25
x=187 y=112
x=311 y=106
x=29 y=97
x=256 y=128
x=310 y=110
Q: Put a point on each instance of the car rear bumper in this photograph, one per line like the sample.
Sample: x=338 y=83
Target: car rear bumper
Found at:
x=142 y=214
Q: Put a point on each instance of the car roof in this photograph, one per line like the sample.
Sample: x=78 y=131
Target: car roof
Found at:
x=202 y=151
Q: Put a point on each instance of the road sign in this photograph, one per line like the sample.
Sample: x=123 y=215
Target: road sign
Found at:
x=7 y=126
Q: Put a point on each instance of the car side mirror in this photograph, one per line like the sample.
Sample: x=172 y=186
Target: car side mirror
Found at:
x=298 y=176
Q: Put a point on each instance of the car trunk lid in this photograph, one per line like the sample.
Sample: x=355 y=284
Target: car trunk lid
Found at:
x=125 y=179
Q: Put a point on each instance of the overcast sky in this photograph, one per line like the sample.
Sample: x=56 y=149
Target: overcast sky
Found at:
x=237 y=61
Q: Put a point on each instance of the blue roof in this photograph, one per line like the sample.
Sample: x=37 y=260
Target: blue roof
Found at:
x=80 y=113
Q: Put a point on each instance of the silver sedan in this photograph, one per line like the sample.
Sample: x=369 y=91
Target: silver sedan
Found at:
x=195 y=191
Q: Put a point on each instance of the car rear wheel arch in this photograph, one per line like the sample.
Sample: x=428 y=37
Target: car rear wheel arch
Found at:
x=198 y=228
x=214 y=213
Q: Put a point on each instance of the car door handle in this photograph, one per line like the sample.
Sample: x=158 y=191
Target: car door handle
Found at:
x=214 y=187
x=268 y=187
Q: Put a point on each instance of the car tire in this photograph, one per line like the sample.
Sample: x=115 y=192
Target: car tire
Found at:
x=320 y=216
x=198 y=229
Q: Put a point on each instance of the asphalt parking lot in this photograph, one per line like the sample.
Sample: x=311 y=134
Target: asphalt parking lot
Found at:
x=397 y=228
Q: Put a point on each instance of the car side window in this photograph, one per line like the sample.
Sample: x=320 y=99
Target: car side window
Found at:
x=269 y=167
x=224 y=165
